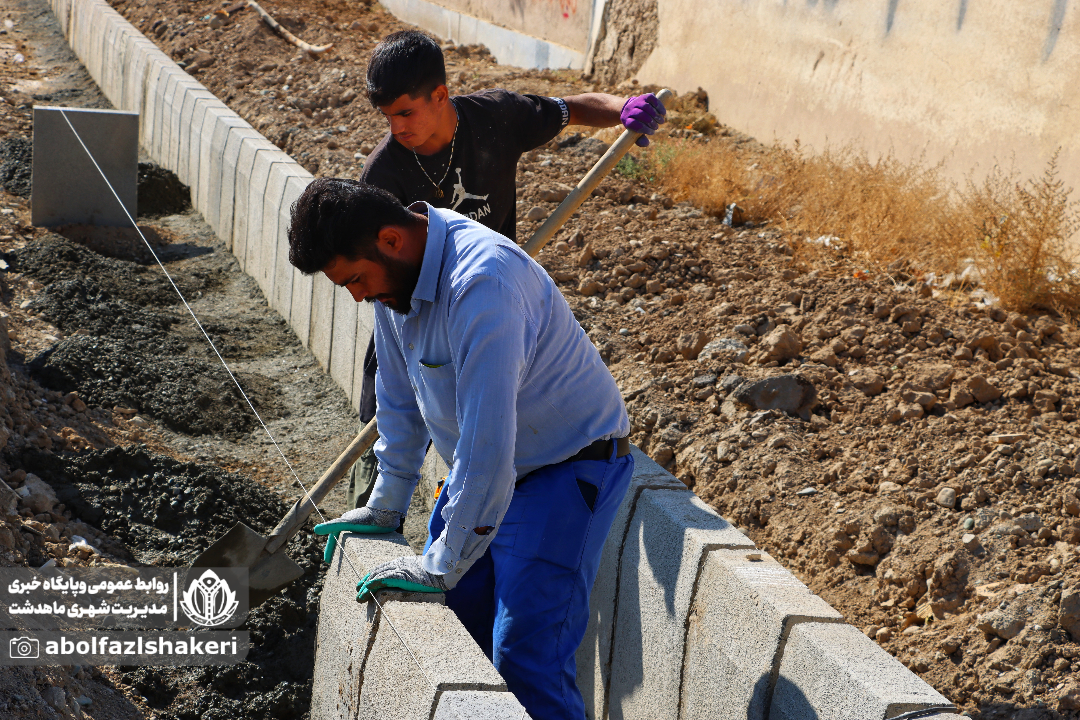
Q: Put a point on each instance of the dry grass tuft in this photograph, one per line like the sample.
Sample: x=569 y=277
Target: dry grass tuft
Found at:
x=1020 y=238
x=889 y=213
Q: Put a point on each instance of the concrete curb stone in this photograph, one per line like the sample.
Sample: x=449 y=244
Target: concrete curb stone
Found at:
x=365 y=326
x=322 y=320
x=228 y=182
x=345 y=340
x=745 y=604
x=221 y=176
x=194 y=105
x=245 y=163
x=594 y=654
x=834 y=672
x=667 y=537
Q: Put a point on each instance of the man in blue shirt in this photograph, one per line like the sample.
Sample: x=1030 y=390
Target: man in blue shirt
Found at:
x=480 y=353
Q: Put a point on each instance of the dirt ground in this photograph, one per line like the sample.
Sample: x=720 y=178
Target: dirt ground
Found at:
x=911 y=455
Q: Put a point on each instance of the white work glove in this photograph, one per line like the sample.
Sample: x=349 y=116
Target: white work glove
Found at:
x=404 y=573
x=367 y=520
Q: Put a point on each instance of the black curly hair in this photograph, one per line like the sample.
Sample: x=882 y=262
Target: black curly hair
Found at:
x=407 y=62
x=339 y=217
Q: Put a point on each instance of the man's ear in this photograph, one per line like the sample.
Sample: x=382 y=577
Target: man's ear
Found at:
x=391 y=240
x=440 y=95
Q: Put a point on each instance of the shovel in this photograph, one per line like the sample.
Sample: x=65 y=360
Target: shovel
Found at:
x=270 y=569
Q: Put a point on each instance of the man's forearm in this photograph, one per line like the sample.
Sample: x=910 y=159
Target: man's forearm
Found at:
x=594 y=109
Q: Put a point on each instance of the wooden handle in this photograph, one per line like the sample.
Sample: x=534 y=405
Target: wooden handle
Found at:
x=303 y=507
x=584 y=189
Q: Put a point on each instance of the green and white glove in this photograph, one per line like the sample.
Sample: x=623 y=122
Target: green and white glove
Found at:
x=371 y=521
x=404 y=573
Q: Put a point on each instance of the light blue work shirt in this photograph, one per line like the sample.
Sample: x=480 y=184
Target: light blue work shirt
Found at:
x=493 y=367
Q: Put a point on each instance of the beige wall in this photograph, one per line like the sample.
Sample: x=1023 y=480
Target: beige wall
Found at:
x=964 y=80
x=565 y=22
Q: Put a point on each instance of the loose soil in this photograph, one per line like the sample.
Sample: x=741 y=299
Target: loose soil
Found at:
x=928 y=490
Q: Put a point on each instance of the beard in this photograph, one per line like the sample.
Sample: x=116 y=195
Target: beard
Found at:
x=403 y=277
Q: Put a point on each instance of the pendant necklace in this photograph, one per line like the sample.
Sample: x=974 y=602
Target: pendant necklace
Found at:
x=453 y=138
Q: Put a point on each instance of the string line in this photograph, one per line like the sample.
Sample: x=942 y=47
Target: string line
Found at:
x=236 y=382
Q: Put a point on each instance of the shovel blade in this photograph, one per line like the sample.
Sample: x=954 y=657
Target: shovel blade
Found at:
x=240 y=547
x=269 y=575
x=243 y=547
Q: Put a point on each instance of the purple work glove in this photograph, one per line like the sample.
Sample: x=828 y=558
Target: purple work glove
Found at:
x=643 y=114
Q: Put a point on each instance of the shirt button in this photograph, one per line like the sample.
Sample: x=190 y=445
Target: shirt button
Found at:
x=410 y=346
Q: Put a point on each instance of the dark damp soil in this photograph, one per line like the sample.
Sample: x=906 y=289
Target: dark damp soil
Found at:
x=53 y=257
x=188 y=395
x=129 y=346
x=16 y=154
x=165 y=511
x=161 y=192
x=161 y=508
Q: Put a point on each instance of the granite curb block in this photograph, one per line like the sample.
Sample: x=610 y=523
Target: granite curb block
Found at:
x=365 y=326
x=834 y=672
x=412 y=654
x=321 y=333
x=745 y=605
x=594 y=654
x=344 y=342
x=227 y=132
x=668 y=535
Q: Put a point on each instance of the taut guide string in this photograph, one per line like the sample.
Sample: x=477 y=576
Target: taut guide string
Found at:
x=246 y=398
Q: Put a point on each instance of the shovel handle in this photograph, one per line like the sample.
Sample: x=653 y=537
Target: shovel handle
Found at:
x=303 y=507
x=584 y=189
x=300 y=510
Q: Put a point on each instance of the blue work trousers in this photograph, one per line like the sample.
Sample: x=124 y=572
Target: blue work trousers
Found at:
x=526 y=601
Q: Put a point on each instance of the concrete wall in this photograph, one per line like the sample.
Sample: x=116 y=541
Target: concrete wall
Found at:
x=968 y=82
x=687 y=616
x=526 y=33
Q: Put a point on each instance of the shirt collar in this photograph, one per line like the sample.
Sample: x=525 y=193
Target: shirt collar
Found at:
x=427 y=286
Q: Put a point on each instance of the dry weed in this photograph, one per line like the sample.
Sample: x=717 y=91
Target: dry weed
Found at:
x=1020 y=238
x=889 y=213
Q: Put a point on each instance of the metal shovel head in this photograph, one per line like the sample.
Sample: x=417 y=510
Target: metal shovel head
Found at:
x=243 y=547
x=240 y=547
x=269 y=575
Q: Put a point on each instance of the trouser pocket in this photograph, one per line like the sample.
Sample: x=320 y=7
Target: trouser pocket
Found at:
x=552 y=513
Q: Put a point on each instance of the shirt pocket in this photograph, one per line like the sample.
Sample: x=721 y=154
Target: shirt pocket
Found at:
x=437 y=391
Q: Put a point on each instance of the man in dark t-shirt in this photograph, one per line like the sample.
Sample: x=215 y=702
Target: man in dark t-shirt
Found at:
x=462 y=153
x=478 y=168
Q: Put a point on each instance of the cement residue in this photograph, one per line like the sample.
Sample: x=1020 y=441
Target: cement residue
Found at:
x=16 y=154
x=627 y=39
x=165 y=510
x=161 y=192
x=122 y=349
x=186 y=394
